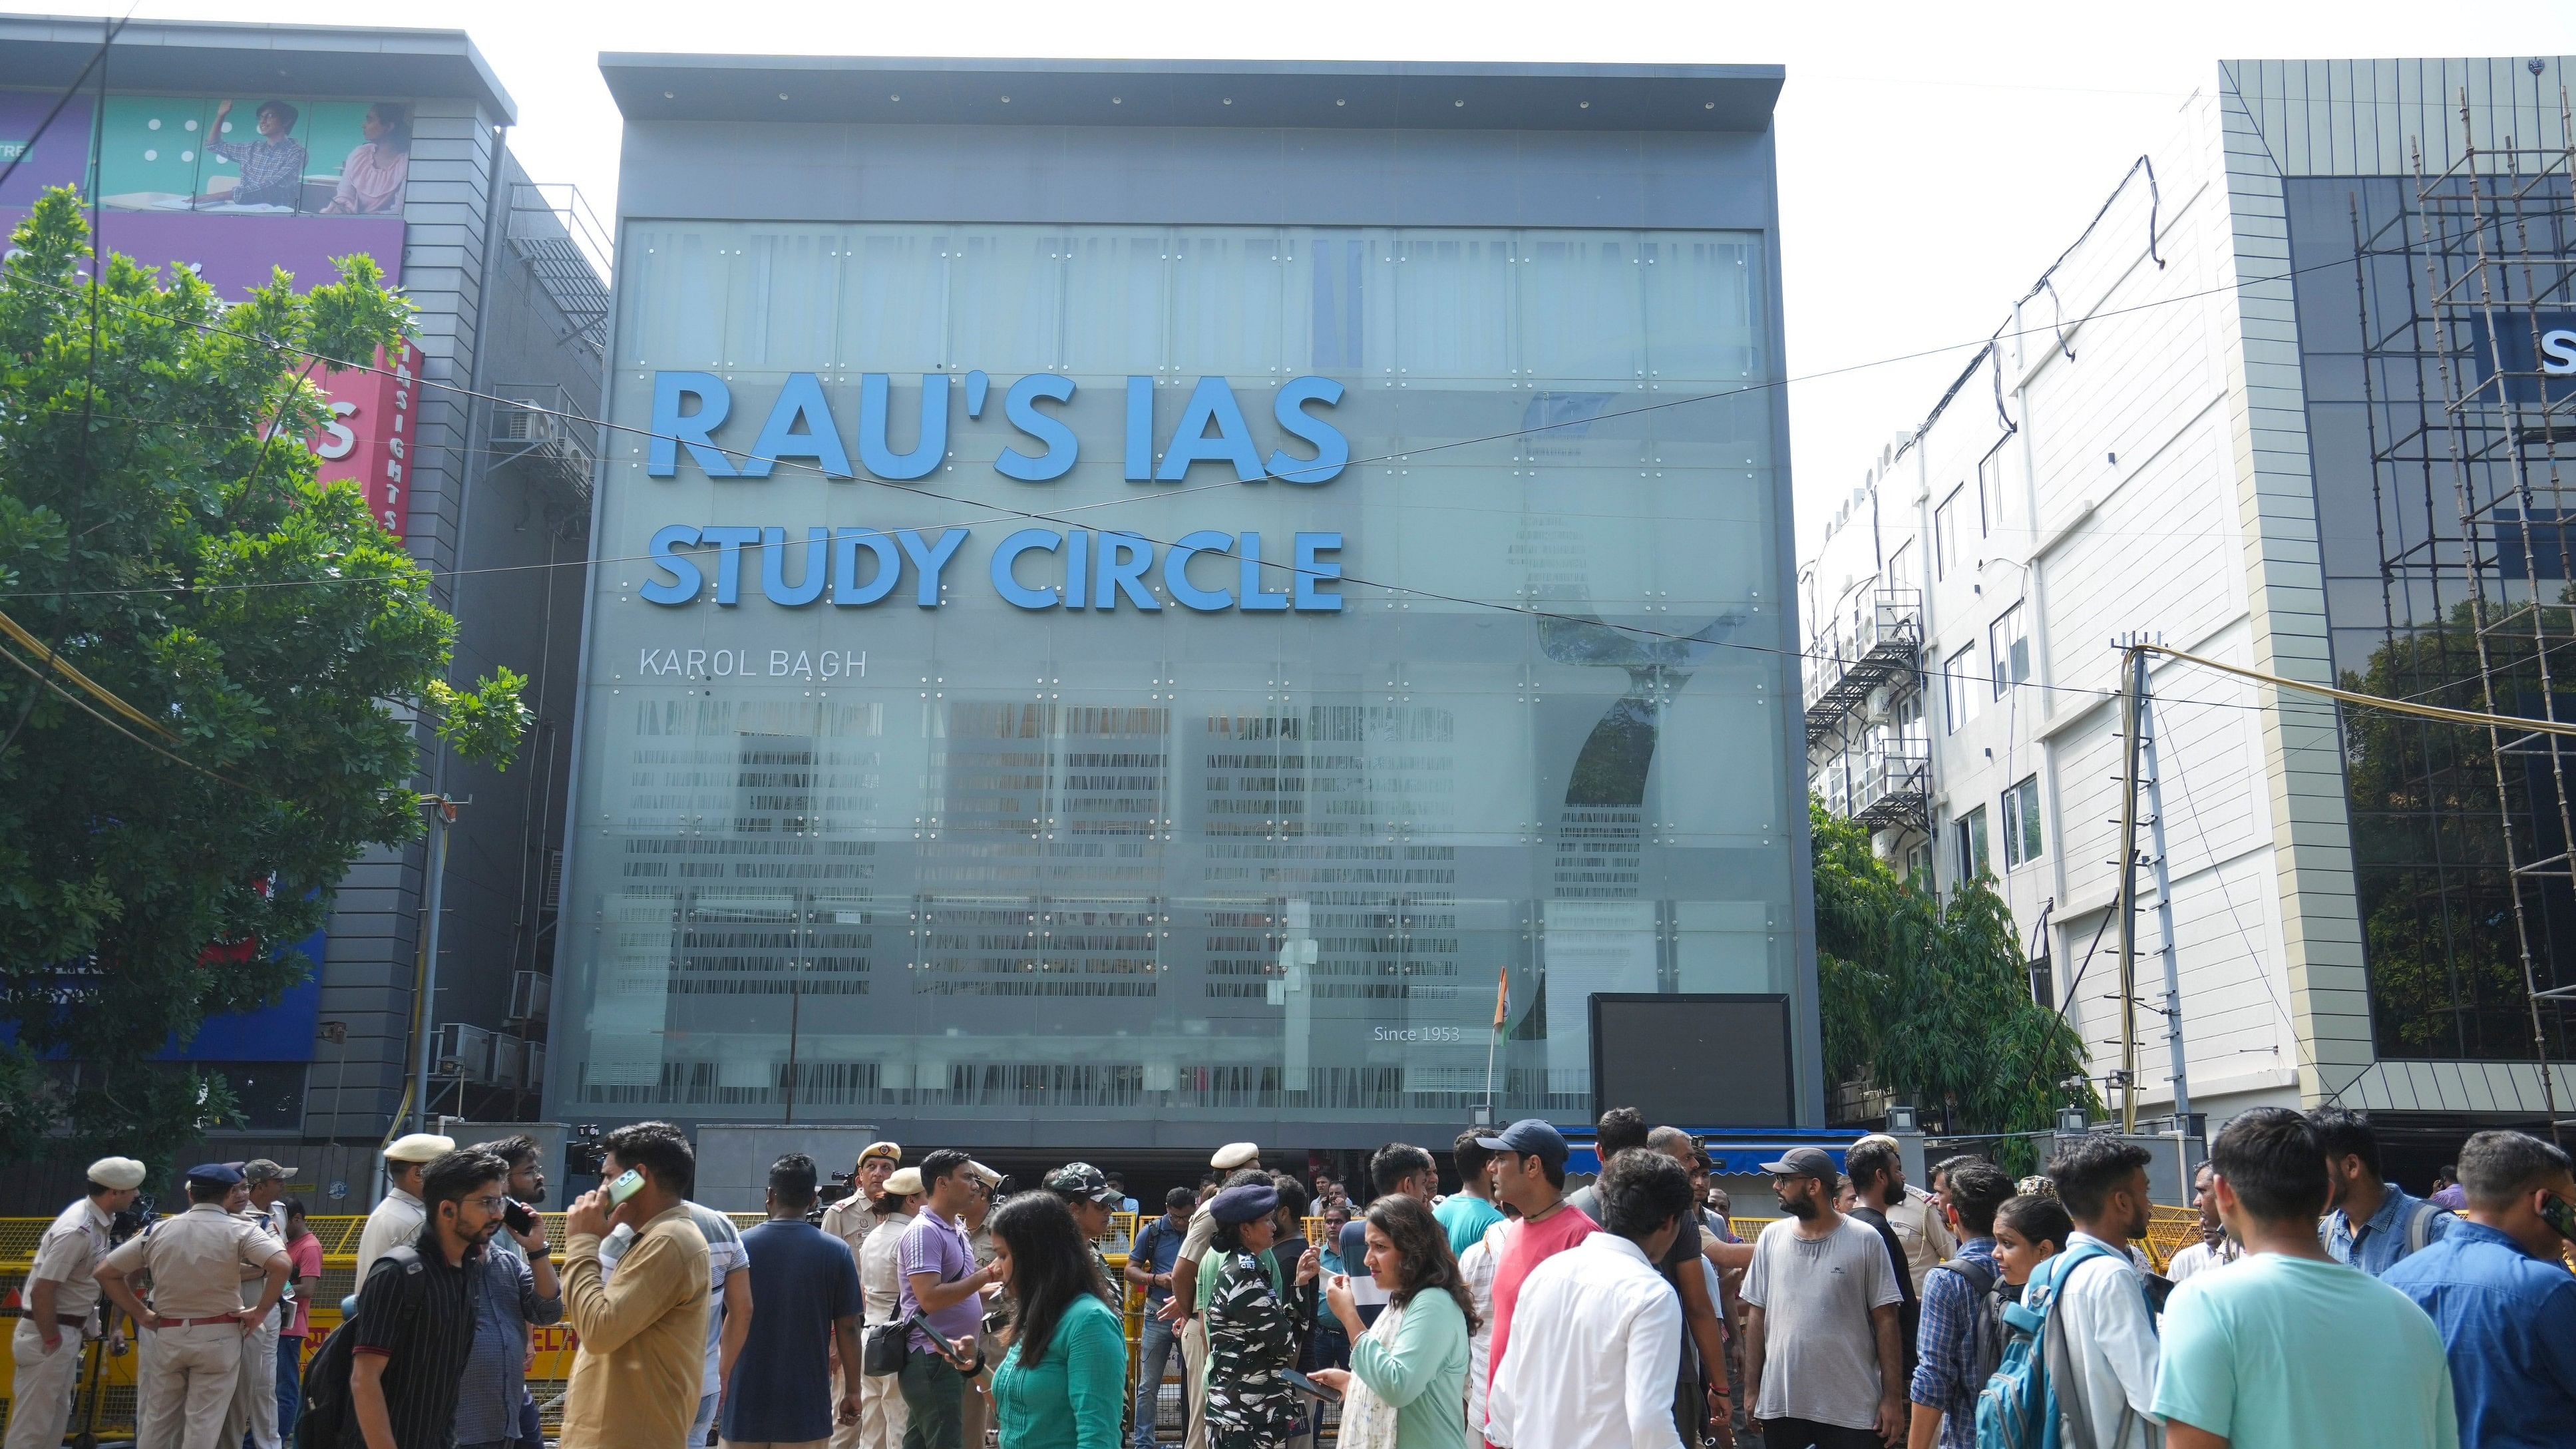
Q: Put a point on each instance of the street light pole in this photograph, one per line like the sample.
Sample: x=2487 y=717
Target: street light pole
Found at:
x=424 y=1022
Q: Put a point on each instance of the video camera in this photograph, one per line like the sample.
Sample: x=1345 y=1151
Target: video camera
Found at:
x=132 y=1220
x=583 y=1155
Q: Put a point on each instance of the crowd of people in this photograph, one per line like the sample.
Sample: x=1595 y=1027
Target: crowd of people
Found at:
x=2322 y=1306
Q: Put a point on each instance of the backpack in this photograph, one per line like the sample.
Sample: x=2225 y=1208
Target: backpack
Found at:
x=1986 y=1303
x=326 y=1419
x=2018 y=1409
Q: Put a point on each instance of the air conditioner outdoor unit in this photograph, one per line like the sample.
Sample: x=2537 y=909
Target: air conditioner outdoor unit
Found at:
x=462 y=1053
x=530 y=993
x=509 y=1061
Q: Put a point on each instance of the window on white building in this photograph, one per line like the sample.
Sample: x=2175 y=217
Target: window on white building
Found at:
x=2021 y=823
x=1968 y=845
x=1958 y=691
x=1946 y=524
x=1901 y=567
x=1990 y=495
x=2008 y=644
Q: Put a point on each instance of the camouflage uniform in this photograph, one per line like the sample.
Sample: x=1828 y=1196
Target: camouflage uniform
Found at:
x=1252 y=1334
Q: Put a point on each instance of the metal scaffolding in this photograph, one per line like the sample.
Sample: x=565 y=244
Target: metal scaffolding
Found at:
x=2468 y=376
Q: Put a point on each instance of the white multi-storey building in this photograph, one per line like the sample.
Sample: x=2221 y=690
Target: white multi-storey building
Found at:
x=2198 y=424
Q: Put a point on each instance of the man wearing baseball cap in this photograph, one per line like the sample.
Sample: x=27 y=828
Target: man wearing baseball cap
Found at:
x=61 y=1289
x=1086 y=1191
x=1529 y=1174
x=255 y=1402
x=196 y=1259
x=399 y=1218
x=1821 y=1314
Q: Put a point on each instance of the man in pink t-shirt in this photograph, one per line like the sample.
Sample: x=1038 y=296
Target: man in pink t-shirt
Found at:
x=304 y=1279
x=1529 y=1174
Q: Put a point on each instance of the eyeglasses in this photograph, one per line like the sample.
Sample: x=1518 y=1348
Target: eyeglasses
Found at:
x=490 y=1203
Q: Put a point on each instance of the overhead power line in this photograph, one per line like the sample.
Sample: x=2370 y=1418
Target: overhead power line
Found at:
x=2375 y=701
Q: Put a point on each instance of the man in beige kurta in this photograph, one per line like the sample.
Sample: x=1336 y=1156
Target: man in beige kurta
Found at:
x=635 y=1378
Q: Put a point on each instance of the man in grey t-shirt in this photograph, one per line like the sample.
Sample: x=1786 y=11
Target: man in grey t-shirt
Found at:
x=1821 y=1360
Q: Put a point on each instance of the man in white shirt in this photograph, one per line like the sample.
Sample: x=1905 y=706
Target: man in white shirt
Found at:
x=1597 y=1336
x=2110 y=1331
x=2215 y=1249
x=398 y=1218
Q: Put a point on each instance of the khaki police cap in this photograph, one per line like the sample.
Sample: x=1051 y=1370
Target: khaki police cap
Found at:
x=116 y=1172
x=420 y=1147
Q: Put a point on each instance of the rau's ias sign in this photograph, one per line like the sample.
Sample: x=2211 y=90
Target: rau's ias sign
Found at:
x=1204 y=570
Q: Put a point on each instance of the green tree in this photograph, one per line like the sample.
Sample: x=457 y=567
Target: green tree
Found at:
x=160 y=527
x=1930 y=998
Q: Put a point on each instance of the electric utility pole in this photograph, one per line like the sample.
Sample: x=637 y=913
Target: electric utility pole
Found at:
x=2132 y=691
x=2142 y=771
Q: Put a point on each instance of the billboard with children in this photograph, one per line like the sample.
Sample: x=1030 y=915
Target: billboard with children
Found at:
x=233 y=189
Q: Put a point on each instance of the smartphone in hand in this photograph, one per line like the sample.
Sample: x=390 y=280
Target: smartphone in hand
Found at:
x=1305 y=1385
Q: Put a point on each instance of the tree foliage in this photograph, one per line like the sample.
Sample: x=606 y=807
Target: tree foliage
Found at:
x=1930 y=999
x=161 y=528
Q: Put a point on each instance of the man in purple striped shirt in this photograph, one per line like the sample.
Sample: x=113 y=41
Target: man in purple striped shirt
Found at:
x=945 y=1290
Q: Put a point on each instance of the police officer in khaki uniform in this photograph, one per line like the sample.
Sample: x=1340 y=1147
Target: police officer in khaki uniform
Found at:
x=255 y=1401
x=61 y=1289
x=851 y=1220
x=196 y=1319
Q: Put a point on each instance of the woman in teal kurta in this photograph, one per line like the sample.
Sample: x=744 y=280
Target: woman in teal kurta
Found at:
x=1415 y=1357
x=1063 y=1385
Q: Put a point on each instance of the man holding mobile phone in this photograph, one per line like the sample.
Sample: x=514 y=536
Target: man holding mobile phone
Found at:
x=519 y=1290
x=943 y=1294
x=415 y=1324
x=635 y=1379
x=2495 y=1287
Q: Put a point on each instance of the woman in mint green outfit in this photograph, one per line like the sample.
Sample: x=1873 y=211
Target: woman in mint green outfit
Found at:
x=1064 y=1383
x=1406 y=1387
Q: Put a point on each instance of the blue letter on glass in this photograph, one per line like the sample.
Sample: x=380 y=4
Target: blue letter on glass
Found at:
x=1008 y=585
x=877 y=453
x=671 y=427
x=1211 y=402
x=846 y=588
x=1124 y=557
x=929 y=558
x=1310 y=599
x=1332 y=450
x=1020 y=406
x=773 y=567
x=1248 y=548
x=1176 y=571
x=685 y=578
x=729 y=542
x=801 y=400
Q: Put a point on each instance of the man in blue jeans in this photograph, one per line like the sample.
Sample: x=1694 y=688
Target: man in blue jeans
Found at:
x=1149 y=1266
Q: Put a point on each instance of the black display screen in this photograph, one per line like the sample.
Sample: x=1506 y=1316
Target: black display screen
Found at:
x=1713 y=1060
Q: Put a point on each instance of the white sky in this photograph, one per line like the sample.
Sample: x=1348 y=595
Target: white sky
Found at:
x=1932 y=158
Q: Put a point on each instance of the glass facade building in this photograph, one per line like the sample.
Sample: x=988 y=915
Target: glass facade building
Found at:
x=1184 y=656
x=2428 y=567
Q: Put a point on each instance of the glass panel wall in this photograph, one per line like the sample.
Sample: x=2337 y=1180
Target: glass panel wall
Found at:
x=940 y=852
